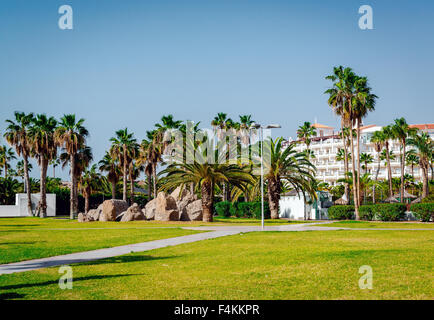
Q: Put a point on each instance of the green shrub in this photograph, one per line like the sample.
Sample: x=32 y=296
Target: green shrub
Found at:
x=367 y=212
x=244 y=210
x=423 y=211
x=222 y=209
x=390 y=211
x=256 y=210
x=429 y=199
x=341 y=212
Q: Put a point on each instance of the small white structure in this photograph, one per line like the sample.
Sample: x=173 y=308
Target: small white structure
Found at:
x=20 y=207
x=292 y=206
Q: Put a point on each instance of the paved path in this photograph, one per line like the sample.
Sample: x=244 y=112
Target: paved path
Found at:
x=215 y=232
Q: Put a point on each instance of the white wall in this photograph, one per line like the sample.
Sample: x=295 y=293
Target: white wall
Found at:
x=20 y=207
x=291 y=207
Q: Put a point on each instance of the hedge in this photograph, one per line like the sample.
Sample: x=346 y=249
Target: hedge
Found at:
x=423 y=211
x=390 y=211
x=241 y=209
x=367 y=212
x=341 y=212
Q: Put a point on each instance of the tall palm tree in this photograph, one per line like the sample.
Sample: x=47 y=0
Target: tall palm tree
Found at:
x=44 y=148
x=220 y=123
x=17 y=135
x=124 y=148
x=71 y=136
x=364 y=103
x=244 y=127
x=425 y=147
x=6 y=156
x=401 y=131
x=305 y=133
x=387 y=135
x=285 y=164
x=89 y=181
x=111 y=166
x=54 y=163
x=338 y=102
x=144 y=159
x=378 y=139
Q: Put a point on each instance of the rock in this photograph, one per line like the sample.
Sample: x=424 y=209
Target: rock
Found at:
x=167 y=209
x=133 y=213
x=194 y=211
x=112 y=208
x=150 y=209
x=82 y=217
x=120 y=216
x=178 y=195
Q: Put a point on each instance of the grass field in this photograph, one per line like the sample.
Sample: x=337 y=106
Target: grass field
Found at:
x=377 y=224
x=259 y=265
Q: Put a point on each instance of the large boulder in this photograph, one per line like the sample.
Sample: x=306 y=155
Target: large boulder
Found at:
x=112 y=208
x=82 y=217
x=150 y=209
x=193 y=211
x=93 y=215
x=133 y=213
x=179 y=195
x=167 y=209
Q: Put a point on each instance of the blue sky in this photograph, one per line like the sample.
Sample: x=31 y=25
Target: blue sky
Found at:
x=126 y=63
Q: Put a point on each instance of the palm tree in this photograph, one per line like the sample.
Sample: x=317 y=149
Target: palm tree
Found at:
x=285 y=164
x=364 y=103
x=401 y=131
x=412 y=160
x=378 y=139
x=6 y=156
x=41 y=139
x=221 y=123
x=54 y=163
x=425 y=147
x=205 y=176
x=17 y=135
x=305 y=133
x=71 y=135
x=88 y=182
x=21 y=173
x=144 y=159
x=244 y=127
x=366 y=159
x=387 y=135
x=340 y=155
x=111 y=166
x=338 y=102
x=124 y=148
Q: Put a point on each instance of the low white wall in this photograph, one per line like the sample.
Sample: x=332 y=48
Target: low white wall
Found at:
x=291 y=208
x=20 y=207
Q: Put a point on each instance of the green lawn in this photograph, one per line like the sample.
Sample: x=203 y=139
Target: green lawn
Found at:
x=23 y=242
x=377 y=224
x=259 y=265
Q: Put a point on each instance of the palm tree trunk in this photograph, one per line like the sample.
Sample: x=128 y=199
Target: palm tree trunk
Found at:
x=132 y=192
x=149 y=186
x=358 y=162
x=389 y=171
x=27 y=185
x=402 y=171
x=43 y=200
x=86 y=201
x=6 y=168
x=273 y=197
x=124 y=182
x=376 y=175
x=113 y=189
x=425 y=182
x=207 y=201
x=353 y=170
x=344 y=140
x=73 y=206
x=154 y=177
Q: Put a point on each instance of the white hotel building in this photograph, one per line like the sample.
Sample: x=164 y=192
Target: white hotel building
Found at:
x=327 y=143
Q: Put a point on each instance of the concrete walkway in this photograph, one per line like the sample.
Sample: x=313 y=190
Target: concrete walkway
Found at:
x=215 y=232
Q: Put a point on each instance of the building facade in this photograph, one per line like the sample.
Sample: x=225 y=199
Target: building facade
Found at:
x=327 y=143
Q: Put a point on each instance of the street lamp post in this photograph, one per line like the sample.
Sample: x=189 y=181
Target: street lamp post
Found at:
x=258 y=126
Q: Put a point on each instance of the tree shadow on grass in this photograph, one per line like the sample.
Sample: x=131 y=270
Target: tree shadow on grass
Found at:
x=11 y=295
x=55 y=282
x=23 y=242
x=127 y=258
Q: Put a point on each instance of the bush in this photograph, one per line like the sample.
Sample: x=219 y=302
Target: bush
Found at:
x=429 y=199
x=367 y=212
x=423 y=211
x=222 y=209
x=390 y=211
x=341 y=212
x=241 y=209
